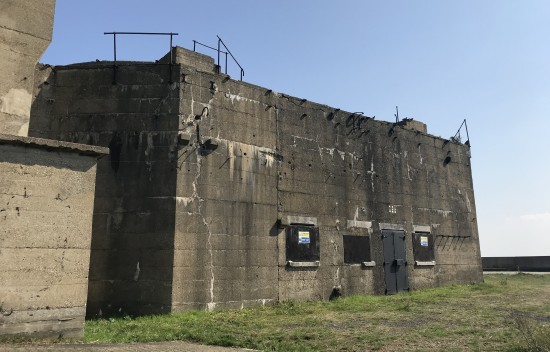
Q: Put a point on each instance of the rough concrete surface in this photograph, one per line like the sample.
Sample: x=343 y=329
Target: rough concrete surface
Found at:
x=46 y=205
x=192 y=205
x=25 y=32
x=46 y=193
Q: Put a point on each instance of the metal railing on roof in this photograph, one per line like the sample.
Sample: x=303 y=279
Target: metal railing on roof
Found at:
x=458 y=138
x=220 y=51
x=171 y=34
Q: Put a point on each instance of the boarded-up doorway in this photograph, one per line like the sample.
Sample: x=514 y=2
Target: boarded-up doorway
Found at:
x=395 y=261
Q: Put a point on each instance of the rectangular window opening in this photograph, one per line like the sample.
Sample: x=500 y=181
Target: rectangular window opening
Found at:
x=302 y=245
x=357 y=250
x=423 y=248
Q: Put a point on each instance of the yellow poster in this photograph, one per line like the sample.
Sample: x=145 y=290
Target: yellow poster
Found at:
x=424 y=241
x=303 y=237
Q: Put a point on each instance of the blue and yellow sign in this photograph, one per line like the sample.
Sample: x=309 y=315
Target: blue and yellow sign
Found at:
x=303 y=237
x=424 y=241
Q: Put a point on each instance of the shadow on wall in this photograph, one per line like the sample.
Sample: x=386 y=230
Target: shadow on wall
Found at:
x=131 y=261
x=132 y=247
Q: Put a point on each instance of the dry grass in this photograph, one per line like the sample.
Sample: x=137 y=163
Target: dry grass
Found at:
x=506 y=313
x=535 y=332
x=480 y=317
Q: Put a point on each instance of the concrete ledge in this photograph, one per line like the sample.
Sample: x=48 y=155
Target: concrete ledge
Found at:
x=387 y=226
x=295 y=219
x=419 y=263
x=359 y=224
x=313 y=264
x=422 y=228
x=196 y=60
x=42 y=143
x=70 y=328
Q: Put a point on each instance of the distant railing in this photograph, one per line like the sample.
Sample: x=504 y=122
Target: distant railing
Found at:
x=139 y=33
x=458 y=138
x=195 y=43
x=220 y=51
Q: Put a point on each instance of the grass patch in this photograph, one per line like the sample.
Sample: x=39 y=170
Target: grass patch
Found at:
x=534 y=331
x=506 y=313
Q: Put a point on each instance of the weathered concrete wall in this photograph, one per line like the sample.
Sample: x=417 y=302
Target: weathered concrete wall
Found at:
x=133 y=231
x=245 y=160
x=25 y=32
x=420 y=180
x=226 y=232
x=46 y=192
x=345 y=170
x=325 y=175
x=46 y=203
x=352 y=174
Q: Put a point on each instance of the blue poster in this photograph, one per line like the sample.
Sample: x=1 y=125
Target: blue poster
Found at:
x=303 y=237
x=424 y=241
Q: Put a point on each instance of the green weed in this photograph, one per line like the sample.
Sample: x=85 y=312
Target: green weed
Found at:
x=454 y=318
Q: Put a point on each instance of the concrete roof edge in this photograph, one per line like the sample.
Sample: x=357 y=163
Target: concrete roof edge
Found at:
x=312 y=104
x=43 y=143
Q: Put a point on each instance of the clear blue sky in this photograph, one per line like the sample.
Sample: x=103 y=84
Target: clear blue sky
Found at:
x=439 y=61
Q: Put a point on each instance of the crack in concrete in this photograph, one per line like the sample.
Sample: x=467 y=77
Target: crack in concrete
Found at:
x=187 y=123
x=302 y=102
x=25 y=33
x=371 y=172
x=195 y=196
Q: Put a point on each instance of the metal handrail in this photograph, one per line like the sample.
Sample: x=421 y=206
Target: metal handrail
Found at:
x=229 y=51
x=457 y=135
x=220 y=51
x=209 y=47
x=171 y=34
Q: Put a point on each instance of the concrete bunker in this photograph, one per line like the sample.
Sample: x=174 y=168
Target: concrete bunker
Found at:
x=46 y=193
x=216 y=192
x=227 y=194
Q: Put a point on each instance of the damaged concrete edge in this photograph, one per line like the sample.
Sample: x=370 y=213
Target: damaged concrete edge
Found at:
x=420 y=263
x=49 y=144
x=422 y=228
x=102 y=64
x=313 y=264
x=359 y=224
x=370 y=264
x=303 y=102
x=387 y=226
x=294 y=220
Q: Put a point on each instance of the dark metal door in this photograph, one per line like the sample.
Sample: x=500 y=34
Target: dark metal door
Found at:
x=395 y=261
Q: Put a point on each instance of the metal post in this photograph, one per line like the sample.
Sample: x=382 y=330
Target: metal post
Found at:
x=171 y=57
x=397 y=114
x=194 y=44
x=467 y=134
x=114 y=64
x=171 y=35
x=226 y=62
x=114 y=46
x=219 y=53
